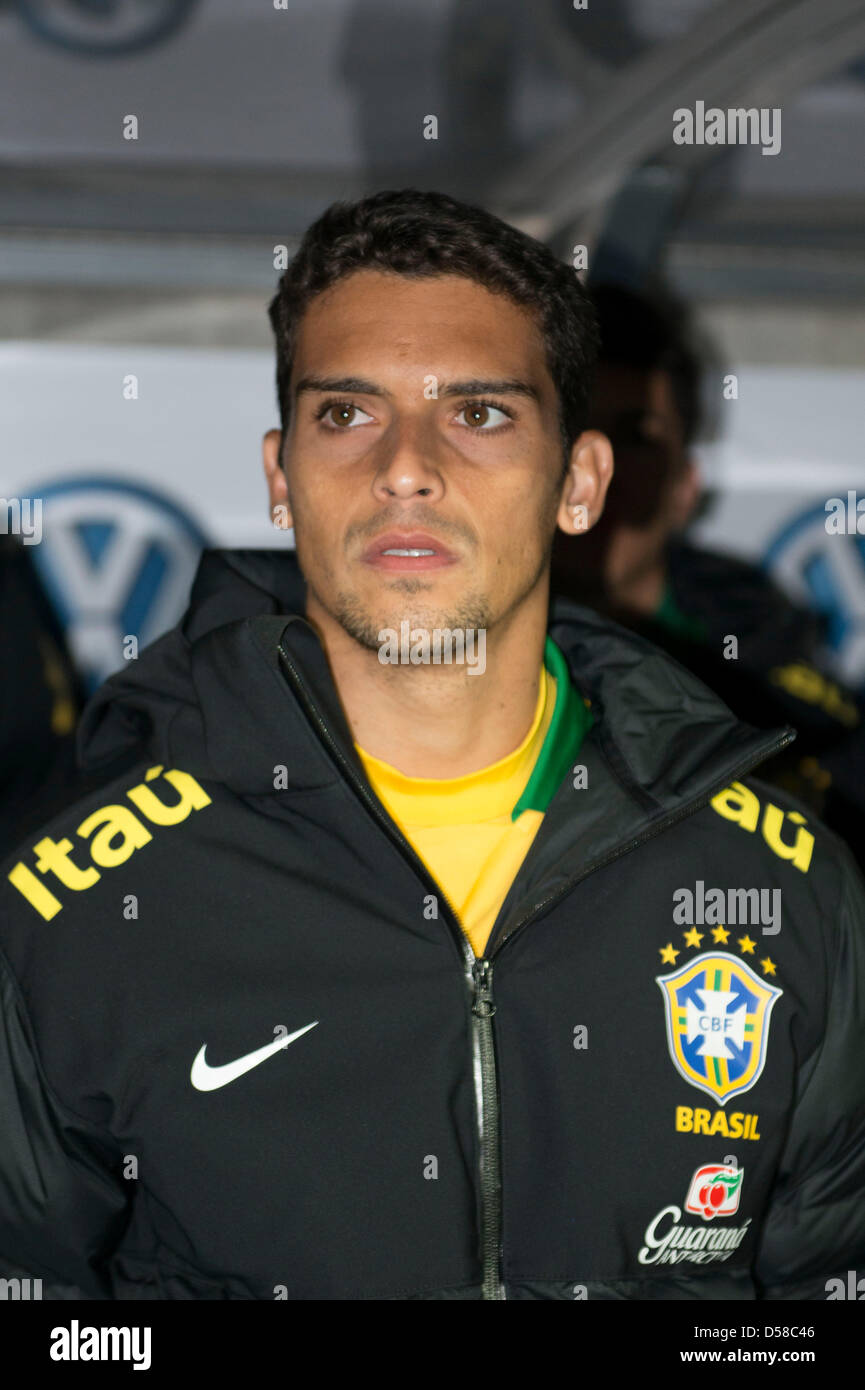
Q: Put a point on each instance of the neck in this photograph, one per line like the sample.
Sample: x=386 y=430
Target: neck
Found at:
x=439 y=720
x=642 y=592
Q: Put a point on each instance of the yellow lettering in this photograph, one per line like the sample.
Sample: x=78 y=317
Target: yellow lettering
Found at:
x=118 y=833
x=735 y=1126
x=54 y=859
x=801 y=680
x=192 y=798
x=35 y=892
x=800 y=851
x=115 y=820
x=808 y=684
x=737 y=803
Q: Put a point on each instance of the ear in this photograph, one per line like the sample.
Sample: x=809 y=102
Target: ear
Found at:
x=585 y=487
x=685 y=495
x=277 y=486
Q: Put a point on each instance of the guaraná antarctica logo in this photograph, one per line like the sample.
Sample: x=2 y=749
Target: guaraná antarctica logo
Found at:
x=713 y=1191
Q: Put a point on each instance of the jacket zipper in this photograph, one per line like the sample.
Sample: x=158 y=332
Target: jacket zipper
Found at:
x=486 y=1084
x=479 y=974
x=484 y=1007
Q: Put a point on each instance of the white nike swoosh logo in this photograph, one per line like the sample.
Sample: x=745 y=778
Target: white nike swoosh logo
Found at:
x=206 y=1078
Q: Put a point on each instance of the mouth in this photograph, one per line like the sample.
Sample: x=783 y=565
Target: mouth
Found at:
x=408 y=552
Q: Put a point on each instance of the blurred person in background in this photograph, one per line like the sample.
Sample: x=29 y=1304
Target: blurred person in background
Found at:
x=636 y=566
x=40 y=699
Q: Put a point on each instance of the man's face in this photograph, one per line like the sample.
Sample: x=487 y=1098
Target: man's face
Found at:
x=636 y=407
x=424 y=419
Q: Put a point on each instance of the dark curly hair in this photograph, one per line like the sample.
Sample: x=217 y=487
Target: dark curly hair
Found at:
x=416 y=233
x=652 y=330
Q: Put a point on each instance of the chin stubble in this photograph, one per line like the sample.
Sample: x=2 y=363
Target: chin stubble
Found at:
x=472 y=614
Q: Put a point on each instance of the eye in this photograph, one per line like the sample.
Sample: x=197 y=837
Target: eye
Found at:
x=342 y=415
x=483 y=416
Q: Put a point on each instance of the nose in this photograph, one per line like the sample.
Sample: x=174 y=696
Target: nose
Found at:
x=407 y=467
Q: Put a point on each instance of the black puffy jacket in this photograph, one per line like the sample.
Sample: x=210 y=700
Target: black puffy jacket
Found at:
x=247 y=1051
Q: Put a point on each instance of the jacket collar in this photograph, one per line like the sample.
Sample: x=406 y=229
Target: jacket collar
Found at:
x=217 y=697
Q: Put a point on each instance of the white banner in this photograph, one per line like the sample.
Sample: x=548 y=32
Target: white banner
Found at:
x=143 y=455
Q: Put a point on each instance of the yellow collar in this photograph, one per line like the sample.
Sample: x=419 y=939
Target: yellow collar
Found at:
x=483 y=795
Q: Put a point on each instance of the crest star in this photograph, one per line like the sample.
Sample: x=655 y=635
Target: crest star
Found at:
x=692 y=937
x=720 y=934
x=746 y=945
x=768 y=966
x=668 y=954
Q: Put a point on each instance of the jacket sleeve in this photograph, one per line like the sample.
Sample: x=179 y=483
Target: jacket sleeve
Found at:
x=63 y=1203
x=815 y=1227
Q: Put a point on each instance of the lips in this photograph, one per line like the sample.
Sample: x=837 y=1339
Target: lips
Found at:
x=375 y=554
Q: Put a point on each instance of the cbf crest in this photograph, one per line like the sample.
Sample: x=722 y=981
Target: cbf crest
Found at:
x=718 y=1014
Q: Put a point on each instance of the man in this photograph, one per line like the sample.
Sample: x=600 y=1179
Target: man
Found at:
x=378 y=978
x=636 y=567
x=647 y=398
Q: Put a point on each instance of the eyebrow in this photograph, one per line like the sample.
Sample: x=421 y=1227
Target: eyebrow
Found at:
x=475 y=386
